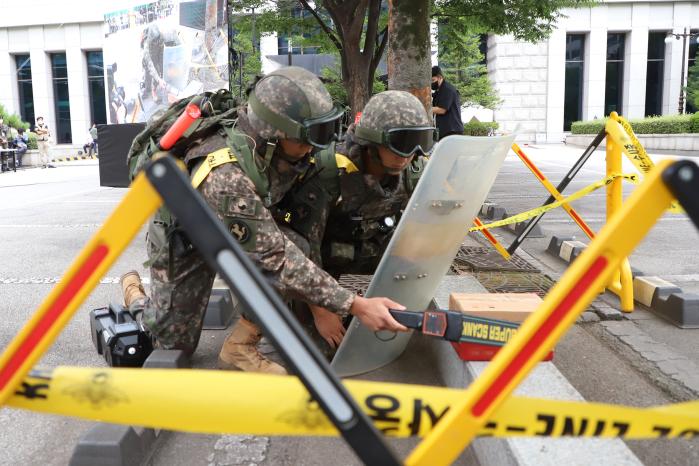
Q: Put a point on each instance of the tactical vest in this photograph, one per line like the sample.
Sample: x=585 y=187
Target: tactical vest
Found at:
x=302 y=207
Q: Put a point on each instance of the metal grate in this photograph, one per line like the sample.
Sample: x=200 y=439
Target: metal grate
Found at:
x=478 y=259
x=355 y=283
x=515 y=282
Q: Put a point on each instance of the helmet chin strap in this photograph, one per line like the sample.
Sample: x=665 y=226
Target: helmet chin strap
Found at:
x=374 y=155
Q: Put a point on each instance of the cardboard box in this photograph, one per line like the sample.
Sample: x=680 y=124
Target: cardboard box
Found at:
x=513 y=307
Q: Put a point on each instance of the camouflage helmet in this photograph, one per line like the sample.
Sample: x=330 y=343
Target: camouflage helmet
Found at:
x=397 y=120
x=292 y=102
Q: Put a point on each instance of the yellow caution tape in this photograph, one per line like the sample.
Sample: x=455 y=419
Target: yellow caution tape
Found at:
x=573 y=197
x=205 y=401
x=637 y=154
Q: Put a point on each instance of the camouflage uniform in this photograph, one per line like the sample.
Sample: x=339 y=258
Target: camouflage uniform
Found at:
x=181 y=281
x=341 y=210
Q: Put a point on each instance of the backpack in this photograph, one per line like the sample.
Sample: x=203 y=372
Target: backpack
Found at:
x=219 y=111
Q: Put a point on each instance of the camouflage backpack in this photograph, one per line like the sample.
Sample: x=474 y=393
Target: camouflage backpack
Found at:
x=219 y=110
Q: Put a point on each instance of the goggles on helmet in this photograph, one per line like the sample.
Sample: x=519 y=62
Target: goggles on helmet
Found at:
x=318 y=132
x=402 y=141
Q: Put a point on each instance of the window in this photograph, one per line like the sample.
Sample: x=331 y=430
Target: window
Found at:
x=283 y=39
x=24 y=85
x=575 y=61
x=615 y=73
x=95 y=82
x=654 y=73
x=691 y=60
x=59 y=73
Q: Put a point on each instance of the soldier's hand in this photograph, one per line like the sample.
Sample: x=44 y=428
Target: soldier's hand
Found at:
x=329 y=325
x=373 y=313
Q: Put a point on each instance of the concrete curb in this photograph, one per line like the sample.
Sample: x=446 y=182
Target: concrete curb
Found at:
x=492 y=211
x=544 y=382
x=662 y=297
x=119 y=445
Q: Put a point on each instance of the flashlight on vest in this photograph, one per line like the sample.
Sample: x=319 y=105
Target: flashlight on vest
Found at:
x=387 y=224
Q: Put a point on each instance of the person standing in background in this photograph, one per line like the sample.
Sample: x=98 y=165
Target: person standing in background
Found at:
x=42 y=137
x=446 y=105
x=4 y=133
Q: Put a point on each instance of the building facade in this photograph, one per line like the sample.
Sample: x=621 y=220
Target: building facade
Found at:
x=51 y=64
x=613 y=57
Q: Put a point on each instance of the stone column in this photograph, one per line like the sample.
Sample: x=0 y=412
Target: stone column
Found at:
x=595 y=67
x=555 y=87
x=635 y=63
x=77 y=85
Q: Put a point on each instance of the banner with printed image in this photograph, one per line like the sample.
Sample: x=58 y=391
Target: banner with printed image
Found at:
x=158 y=52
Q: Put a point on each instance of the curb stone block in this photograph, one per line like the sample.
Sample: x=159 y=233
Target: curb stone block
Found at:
x=109 y=445
x=117 y=445
x=219 y=311
x=167 y=359
x=556 y=242
x=682 y=309
x=648 y=289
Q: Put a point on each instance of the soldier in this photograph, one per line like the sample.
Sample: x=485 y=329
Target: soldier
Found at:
x=42 y=137
x=289 y=112
x=348 y=206
x=153 y=43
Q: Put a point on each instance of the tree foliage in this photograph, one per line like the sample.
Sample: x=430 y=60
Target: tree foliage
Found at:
x=462 y=65
x=693 y=85
x=13 y=120
x=244 y=62
x=528 y=20
x=356 y=32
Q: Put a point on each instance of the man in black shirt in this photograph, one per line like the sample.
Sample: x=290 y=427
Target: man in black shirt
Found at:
x=446 y=105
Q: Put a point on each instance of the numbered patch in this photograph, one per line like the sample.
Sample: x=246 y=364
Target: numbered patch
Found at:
x=240 y=230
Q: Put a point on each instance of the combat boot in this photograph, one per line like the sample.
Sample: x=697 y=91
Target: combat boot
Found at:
x=132 y=288
x=239 y=351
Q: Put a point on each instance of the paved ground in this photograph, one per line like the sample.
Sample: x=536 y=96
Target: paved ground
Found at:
x=47 y=215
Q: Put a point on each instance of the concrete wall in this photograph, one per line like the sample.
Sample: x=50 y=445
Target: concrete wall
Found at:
x=518 y=72
x=545 y=65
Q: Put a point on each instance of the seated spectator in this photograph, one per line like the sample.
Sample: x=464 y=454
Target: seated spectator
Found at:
x=21 y=146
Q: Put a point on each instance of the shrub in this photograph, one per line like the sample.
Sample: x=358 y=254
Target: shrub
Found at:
x=32 y=144
x=12 y=120
x=480 y=128
x=694 y=123
x=670 y=124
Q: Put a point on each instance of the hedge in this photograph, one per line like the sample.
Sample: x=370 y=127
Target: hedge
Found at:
x=32 y=143
x=670 y=124
x=480 y=128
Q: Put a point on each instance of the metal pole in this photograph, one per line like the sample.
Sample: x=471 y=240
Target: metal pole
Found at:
x=621 y=281
x=288 y=52
x=684 y=58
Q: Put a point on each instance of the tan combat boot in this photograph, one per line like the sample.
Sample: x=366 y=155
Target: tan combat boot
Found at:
x=239 y=351
x=132 y=288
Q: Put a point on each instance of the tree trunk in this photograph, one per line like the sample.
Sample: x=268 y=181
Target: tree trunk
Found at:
x=409 y=60
x=357 y=59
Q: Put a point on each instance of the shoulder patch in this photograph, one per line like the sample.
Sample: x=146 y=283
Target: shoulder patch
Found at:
x=240 y=230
